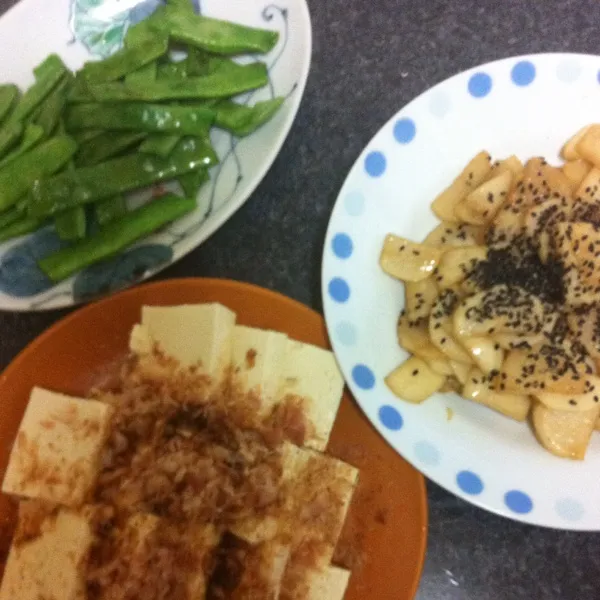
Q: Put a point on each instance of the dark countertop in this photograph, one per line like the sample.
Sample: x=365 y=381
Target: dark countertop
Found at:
x=370 y=58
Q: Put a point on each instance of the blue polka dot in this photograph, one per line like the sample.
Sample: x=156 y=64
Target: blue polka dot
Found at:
x=404 y=130
x=345 y=333
x=342 y=245
x=480 y=85
x=518 y=502
x=523 y=73
x=469 y=483
x=391 y=418
x=427 y=453
x=569 y=509
x=598 y=76
x=363 y=377
x=375 y=164
x=339 y=290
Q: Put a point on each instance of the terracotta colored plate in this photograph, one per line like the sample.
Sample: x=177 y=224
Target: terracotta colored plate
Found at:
x=385 y=534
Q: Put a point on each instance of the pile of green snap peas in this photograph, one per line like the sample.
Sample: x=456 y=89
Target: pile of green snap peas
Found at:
x=72 y=145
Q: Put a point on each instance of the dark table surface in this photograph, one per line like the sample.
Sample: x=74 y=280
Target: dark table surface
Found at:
x=370 y=58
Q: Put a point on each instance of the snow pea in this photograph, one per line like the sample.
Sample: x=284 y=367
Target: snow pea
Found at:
x=110 y=210
x=213 y=35
x=32 y=134
x=49 y=74
x=10 y=216
x=8 y=96
x=160 y=144
x=192 y=182
x=140 y=116
x=125 y=61
x=220 y=84
x=17 y=178
x=242 y=120
x=116 y=236
x=172 y=70
x=88 y=184
x=71 y=224
x=105 y=146
x=85 y=135
x=10 y=135
x=48 y=113
x=18 y=228
x=143 y=75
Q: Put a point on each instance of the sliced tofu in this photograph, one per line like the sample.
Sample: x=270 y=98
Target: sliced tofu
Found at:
x=301 y=583
x=49 y=565
x=266 y=527
x=143 y=541
x=243 y=571
x=56 y=454
x=311 y=379
x=196 y=335
x=317 y=505
x=258 y=358
x=330 y=583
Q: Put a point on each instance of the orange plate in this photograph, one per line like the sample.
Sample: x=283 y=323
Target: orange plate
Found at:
x=385 y=534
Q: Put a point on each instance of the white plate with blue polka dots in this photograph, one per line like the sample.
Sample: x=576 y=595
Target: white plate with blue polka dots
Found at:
x=526 y=106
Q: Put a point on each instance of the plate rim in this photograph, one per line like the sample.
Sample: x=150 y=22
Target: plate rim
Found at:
x=328 y=305
x=220 y=216
x=227 y=286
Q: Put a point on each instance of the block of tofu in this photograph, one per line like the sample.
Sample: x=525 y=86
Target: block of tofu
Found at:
x=50 y=562
x=266 y=527
x=243 y=571
x=311 y=376
x=330 y=583
x=146 y=554
x=257 y=364
x=318 y=503
x=314 y=584
x=198 y=335
x=56 y=453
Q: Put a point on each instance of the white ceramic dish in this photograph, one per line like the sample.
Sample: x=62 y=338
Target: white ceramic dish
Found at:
x=78 y=30
x=527 y=106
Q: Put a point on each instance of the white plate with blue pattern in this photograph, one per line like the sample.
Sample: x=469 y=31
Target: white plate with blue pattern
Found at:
x=80 y=30
x=526 y=106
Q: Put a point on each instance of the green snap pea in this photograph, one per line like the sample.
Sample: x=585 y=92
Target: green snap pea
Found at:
x=51 y=64
x=143 y=75
x=110 y=210
x=51 y=71
x=105 y=146
x=213 y=35
x=8 y=96
x=88 y=184
x=172 y=70
x=72 y=224
x=125 y=61
x=85 y=135
x=50 y=110
x=221 y=84
x=116 y=236
x=192 y=182
x=21 y=227
x=10 y=135
x=17 y=178
x=140 y=116
x=160 y=144
x=242 y=120
x=10 y=216
x=32 y=134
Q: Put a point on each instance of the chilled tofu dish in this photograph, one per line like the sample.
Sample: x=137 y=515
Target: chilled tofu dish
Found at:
x=198 y=470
